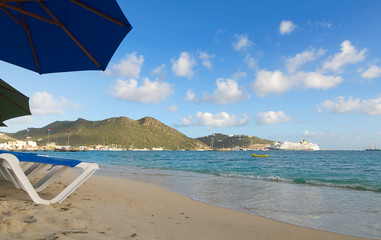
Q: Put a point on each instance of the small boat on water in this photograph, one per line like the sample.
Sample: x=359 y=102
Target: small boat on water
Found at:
x=256 y=155
x=65 y=149
x=373 y=149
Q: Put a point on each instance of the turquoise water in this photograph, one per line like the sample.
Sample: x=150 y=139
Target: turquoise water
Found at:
x=337 y=191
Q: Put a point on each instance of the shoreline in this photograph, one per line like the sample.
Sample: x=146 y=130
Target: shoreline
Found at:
x=307 y=205
x=117 y=208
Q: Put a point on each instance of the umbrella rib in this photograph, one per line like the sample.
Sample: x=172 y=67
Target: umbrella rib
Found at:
x=13 y=17
x=14 y=103
x=98 y=12
x=28 y=13
x=69 y=33
x=18 y=0
x=11 y=90
x=30 y=40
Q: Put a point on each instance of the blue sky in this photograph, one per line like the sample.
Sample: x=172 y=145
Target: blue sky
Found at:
x=279 y=70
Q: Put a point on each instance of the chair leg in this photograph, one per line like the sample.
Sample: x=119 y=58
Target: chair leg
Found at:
x=49 y=178
x=88 y=170
x=21 y=179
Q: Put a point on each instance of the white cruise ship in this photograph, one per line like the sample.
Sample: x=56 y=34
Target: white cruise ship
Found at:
x=302 y=145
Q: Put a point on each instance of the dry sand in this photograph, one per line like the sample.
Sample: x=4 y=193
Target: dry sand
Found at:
x=113 y=208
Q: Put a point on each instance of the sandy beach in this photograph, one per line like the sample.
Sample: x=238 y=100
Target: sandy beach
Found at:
x=114 y=208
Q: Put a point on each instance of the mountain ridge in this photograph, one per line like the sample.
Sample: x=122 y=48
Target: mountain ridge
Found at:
x=124 y=132
x=220 y=141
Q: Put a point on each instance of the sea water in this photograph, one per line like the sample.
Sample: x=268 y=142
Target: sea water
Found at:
x=337 y=191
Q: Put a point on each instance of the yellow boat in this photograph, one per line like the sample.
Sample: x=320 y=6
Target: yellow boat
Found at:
x=256 y=155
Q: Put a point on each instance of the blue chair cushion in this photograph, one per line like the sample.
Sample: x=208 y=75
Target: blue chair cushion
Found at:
x=33 y=157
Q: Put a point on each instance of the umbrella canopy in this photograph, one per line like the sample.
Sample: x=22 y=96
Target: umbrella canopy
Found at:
x=49 y=36
x=13 y=103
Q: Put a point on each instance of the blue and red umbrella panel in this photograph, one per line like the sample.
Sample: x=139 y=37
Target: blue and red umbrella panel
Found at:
x=49 y=36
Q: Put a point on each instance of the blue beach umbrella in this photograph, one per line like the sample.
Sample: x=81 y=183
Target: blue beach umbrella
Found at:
x=49 y=36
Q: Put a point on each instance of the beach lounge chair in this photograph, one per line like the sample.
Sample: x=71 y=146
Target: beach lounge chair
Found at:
x=19 y=168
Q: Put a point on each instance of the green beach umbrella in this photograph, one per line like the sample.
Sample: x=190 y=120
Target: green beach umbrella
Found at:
x=12 y=103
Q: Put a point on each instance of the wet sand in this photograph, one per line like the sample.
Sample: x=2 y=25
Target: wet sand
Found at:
x=114 y=208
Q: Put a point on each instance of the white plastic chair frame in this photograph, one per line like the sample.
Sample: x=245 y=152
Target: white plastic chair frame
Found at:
x=20 y=173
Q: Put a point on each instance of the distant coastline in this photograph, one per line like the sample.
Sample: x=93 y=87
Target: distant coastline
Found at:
x=122 y=133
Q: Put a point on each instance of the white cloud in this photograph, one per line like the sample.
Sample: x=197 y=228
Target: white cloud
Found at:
x=294 y=63
x=20 y=120
x=307 y=134
x=286 y=27
x=251 y=62
x=348 y=55
x=227 y=92
x=268 y=82
x=148 y=92
x=372 y=72
x=172 y=108
x=160 y=71
x=341 y=105
x=191 y=97
x=221 y=119
x=183 y=66
x=238 y=75
x=129 y=66
x=271 y=82
x=316 y=80
x=43 y=103
x=205 y=59
x=271 y=118
x=371 y=106
x=217 y=35
x=277 y=82
x=242 y=42
x=318 y=24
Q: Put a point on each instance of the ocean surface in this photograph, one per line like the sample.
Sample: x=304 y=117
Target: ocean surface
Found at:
x=336 y=191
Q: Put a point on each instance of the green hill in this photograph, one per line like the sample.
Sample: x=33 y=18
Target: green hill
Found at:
x=5 y=138
x=122 y=132
x=219 y=141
